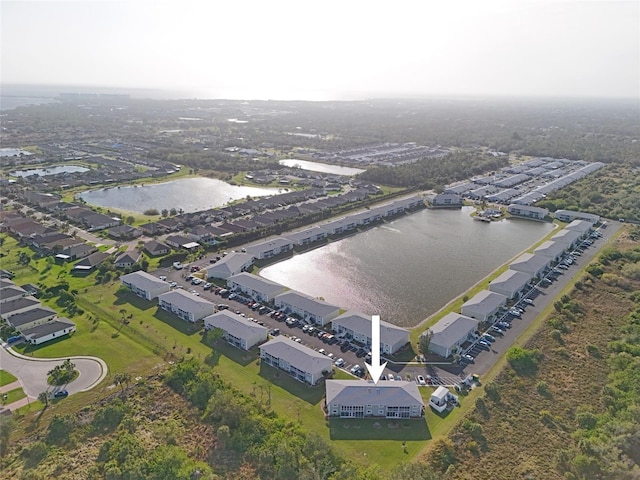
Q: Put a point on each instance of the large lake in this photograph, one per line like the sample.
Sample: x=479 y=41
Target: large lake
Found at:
x=407 y=269
x=320 y=167
x=188 y=194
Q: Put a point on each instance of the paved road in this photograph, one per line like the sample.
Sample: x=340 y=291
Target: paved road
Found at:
x=32 y=372
x=485 y=360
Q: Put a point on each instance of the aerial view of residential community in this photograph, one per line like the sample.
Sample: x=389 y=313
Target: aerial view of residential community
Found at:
x=376 y=288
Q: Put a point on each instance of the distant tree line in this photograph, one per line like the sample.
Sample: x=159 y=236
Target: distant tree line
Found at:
x=437 y=172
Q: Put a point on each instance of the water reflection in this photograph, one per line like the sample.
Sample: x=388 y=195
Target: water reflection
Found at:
x=408 y=269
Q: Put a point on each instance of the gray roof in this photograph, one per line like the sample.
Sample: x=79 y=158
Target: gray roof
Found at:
x=230 y=263
x=451 y=328
x=486 y=301
x=297 y=355
x=48 y=328
x=131 y=256
x=143 y=280
x=155 y=246
x=531 y=261
x=256 y=283
x=551 y=248
x=12 y=291
x=13 y=305
x=511 y=280
x=29 y=316
x=361 y=323
x=271 y=244
x=183 y=300
x=307 y=303
x=581 y=226
x=302 y=234
x=566 y=236
x=361 y=392
x=235 y=324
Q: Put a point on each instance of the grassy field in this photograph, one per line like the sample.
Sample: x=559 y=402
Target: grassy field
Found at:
x=537 y=412
x=6 y=378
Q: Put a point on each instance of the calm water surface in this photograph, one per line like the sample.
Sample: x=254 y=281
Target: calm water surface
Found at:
x=43 y=172
x=407 y=269
x=189 y=194
x=320 y=167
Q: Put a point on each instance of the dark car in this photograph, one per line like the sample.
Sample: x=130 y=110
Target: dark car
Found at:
x=61 y=394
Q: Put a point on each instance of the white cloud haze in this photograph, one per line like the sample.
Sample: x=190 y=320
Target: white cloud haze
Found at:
x=330 y=49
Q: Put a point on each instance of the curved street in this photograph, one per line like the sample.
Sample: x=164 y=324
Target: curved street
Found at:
x=32 y=372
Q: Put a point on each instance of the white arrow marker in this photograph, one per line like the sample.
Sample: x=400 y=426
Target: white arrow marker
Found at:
x=375 y=369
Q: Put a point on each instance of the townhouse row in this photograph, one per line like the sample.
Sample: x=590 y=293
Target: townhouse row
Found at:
x=455 y=329
x=35 y=322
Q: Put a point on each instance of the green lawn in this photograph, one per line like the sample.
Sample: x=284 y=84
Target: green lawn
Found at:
x=13 y=395
x=6 y=378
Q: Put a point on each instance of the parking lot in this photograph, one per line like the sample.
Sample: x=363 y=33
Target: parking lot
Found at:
x=482 y=353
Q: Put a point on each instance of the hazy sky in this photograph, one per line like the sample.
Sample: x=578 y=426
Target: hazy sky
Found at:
x=327 y=49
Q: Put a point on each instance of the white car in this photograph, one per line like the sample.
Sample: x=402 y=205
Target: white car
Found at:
x=421 y=380
x=339 y=362
x=162 y=277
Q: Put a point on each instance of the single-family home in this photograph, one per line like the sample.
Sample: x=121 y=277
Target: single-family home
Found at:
x=257 y=288
x=530 y=263
x=144 y=284
x=18 y=305
x=270 y=248
x=307 y=236
x=155 y=248
x=49 y=331
x=571 y=215
x=302 y=363
x=451 y=332
x=552 y=249
x=12 y=292
x=527 y=211
x=238 y=331
x=124 y=231
x=31 y=318
x=185 y=305
x=127 y=259
x=441 y=398
x=510 y=283
x=230 y=265
x=359 y=399
x=358 y=326
x=308 y=308
x=98 y=221
x=92 y=261
x=76 y=252
x=178 y=241
x=484 y=306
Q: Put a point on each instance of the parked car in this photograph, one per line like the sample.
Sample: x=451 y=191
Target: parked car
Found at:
x=488 y=337
x=421 y=380
x=61 y=394
x=354 y=369
x=528 y=301
x=339 y=362
x=468 y=358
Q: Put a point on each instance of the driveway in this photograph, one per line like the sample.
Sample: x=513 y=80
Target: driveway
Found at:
x=32 y=372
